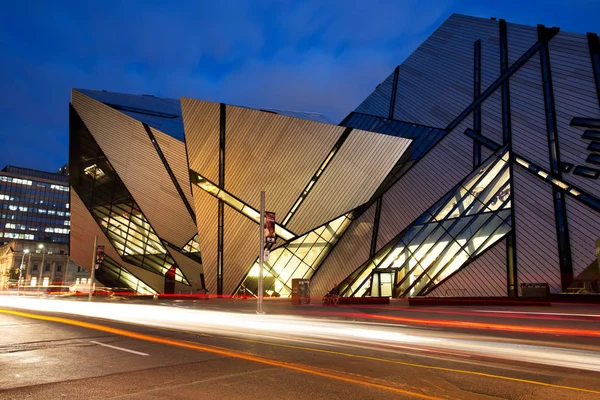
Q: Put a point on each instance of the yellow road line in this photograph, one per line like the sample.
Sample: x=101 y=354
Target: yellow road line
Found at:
x=220 y=351
x=460 y=371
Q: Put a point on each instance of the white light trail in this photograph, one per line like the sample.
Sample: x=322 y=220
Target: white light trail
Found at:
x=338 y=333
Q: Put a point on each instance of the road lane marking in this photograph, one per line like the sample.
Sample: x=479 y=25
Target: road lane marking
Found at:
x=172 y=388
x=139 y=353
x=225 y=352
x=460 y=371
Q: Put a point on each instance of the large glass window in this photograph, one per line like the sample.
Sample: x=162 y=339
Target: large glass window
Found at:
x=296 y=259
x=119 y=277
x=474 y=216
x=192 y=246
x=237 y=204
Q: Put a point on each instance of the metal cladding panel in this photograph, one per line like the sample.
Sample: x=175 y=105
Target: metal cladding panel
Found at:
x=378 y=102
x=354 y=174
x=160 y=113
x=575 y=96
x=528 y=116
x=190 y=268
x=520 y=38
x=174 y=152
x=240 y=248
x=128 y=148
x=207 y=218
x=274 y=153
x=201 y=122
x=425 y=183
x=491 y=117
x=537 y=250
x=490 y=54
x=485 y=153
x=584 y=231
x=81 y=246
x=435 y=83
x=350 y=252
x=484 y=277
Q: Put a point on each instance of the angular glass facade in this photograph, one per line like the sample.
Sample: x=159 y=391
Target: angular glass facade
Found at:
x=465 y=222
x=192 y=246
x=34 y=205
x=236 y=203
x=113 y=207
x=296 y=259
x=115 y=275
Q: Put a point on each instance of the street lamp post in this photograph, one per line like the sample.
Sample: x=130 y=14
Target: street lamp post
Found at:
x=41 y=246
x=25 y=251
x=92 y=272
x=261 y=255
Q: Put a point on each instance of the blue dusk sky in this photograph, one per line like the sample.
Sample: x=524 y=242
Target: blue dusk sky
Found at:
x=323 y=56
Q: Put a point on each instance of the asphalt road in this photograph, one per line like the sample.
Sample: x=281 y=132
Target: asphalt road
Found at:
x=88 y=358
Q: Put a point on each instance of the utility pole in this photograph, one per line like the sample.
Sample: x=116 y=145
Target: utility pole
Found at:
x=92 y=273
x=25 y=251
x=261 y=256
x=66 y=274
x=39 y=283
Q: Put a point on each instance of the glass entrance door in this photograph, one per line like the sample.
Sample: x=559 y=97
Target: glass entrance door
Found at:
x=382 y=284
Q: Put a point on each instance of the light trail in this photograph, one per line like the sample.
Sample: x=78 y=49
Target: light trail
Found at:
x=344 y=333
x=463 y=324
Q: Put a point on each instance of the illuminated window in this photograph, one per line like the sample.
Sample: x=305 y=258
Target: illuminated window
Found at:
x=116 y=271
x=94 y=171
x=296 y=259
x=63 y=188
x=238 y=205
x=192 y=246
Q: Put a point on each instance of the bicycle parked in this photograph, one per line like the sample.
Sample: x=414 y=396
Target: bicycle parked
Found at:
x=332 y=298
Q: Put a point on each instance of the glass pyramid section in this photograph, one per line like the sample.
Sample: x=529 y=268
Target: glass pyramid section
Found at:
x=160 y=113
x=298 y=258
x=470 y=218
x=117 y=276
x=193 y=246
x=112 y=206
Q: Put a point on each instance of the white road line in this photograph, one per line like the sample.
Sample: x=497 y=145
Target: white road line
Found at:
x=538 y=313
x=139 y=353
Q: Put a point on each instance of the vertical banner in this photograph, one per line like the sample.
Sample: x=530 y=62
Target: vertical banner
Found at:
x=269 y=227
x=99 y=256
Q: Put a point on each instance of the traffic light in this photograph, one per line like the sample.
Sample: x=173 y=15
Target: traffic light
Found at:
x=99 y=256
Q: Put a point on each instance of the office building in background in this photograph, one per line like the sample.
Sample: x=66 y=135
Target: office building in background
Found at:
x=34 y=205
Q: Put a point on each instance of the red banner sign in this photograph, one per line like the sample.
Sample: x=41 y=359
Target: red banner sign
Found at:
x=270 y=227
